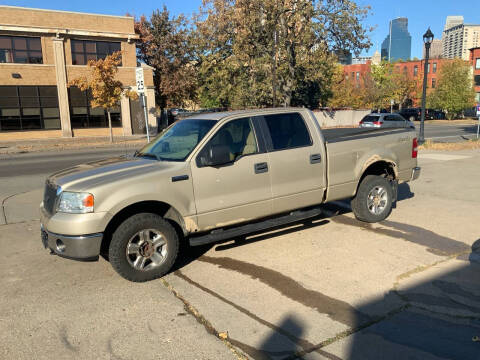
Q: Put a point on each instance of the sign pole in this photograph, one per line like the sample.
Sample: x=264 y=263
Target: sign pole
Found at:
x=143 y=101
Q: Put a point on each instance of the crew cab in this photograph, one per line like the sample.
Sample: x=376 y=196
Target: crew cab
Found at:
x=217 y=176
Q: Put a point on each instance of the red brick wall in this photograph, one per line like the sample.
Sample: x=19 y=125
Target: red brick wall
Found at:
x=351 y=71
x=474 y=55
x=409 y=67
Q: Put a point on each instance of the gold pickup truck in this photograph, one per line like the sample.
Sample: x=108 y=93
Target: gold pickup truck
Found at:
x=219 y=176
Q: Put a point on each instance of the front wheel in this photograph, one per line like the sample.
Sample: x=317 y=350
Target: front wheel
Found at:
x=374 y=198
x=412 y=118
x=144 y=247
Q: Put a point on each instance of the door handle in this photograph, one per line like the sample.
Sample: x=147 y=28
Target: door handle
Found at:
x=261 y=168
x=315 y=158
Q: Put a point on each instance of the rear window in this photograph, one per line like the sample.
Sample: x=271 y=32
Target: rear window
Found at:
x=370 y=118
x=287 y=131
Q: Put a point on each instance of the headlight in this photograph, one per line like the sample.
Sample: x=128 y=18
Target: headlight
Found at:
x=75 y=203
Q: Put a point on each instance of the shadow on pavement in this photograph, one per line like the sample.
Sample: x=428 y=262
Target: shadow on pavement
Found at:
x=441 y=319
x=437 y=318
x=432 y=313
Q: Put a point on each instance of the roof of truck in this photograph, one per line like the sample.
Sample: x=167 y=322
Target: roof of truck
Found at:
x=223 y=114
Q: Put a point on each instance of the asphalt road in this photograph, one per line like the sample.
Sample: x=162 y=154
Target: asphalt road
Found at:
x=447 y=132
x=51 y=161
x=329 y=288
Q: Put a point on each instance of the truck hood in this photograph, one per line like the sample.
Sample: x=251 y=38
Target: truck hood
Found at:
x=83 y=176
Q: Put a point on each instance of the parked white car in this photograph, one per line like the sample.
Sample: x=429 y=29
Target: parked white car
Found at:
x=387 y=120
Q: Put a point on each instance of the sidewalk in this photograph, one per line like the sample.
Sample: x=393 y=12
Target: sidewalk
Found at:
x=55 y=144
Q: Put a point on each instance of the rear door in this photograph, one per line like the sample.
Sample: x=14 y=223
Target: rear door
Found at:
x=390 y=121
x=296 y=160
x=400 y=121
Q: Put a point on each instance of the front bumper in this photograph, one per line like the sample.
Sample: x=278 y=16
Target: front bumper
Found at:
x=82 y=247
x=415 y=173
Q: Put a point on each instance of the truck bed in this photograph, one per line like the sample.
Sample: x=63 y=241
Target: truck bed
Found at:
x=343 y=134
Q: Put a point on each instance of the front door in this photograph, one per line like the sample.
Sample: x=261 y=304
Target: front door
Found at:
x=239 y=190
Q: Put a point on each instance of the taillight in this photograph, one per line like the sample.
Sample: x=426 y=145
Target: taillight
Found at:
x=414 y=148
x=377 y=123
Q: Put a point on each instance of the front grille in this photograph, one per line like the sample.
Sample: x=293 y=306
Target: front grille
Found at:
x=50 y=197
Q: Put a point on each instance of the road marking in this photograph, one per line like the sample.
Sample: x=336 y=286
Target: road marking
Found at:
x=442 y=157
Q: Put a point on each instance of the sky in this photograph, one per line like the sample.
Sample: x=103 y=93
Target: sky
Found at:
x=420 y=13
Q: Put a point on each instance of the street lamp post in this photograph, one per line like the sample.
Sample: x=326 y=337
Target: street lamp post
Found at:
x=427 y=39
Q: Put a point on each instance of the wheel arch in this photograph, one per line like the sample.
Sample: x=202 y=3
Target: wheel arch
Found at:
x=385 y=168
x=160 y=208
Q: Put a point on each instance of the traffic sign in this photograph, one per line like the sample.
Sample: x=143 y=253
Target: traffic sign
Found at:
x=478 y=109
x=140 y=81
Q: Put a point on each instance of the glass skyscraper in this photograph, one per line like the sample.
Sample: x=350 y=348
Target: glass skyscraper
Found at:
x=398 y=43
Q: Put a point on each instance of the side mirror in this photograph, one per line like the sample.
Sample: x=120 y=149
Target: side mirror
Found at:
x=215 y=155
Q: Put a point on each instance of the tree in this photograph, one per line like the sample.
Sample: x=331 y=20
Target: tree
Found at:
x=375 y=89
x=405 y=88
x=271 y=52
x=454 y=91
x=105 y=90
x=166 y=45
x=346 y=93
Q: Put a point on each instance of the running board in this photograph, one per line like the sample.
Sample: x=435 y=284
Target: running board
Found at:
x=221 y=234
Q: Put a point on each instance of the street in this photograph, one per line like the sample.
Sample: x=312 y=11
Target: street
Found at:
x=448 y=132
x=328 y=288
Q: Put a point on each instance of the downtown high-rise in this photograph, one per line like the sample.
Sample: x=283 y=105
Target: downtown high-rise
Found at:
x=398 y=43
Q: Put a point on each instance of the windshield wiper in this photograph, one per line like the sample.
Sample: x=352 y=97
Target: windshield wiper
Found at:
x=147 y=155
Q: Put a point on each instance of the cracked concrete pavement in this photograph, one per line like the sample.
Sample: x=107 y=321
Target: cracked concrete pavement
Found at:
x=329 y=288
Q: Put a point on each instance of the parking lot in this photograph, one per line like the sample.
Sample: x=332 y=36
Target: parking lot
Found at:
x=328 y=288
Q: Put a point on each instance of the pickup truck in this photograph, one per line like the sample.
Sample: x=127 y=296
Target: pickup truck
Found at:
x=219 y=176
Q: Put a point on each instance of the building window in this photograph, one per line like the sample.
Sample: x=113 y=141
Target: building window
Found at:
x=85 y=50
x=477 y=64
x=353 y=75
x=415 y=70
x=476 y=80
x=358 y=76
x=19 y=49
x=434 y=83
x=405 y=70
x=428 y=68
x=434 y=68
x=29 y=108
x=82 y=115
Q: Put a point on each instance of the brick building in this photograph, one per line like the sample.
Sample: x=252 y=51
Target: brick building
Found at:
x=414 y=69
x=41 y=50
x=475 y=61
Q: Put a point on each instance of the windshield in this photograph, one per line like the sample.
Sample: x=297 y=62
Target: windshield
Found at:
x=176 y=142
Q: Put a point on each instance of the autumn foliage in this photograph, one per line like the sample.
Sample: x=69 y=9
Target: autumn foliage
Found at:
x=106 y=91
x=250 y=53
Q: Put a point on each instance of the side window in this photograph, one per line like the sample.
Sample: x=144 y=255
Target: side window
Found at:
x=393 y=118
x=287 y=131
x=237 y=136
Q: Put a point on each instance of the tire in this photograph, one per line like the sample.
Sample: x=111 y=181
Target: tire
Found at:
x=412 y=118
x=365 y=209
x=152 y=247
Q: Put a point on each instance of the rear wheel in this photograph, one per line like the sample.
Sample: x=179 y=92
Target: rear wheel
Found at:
x=373 y=201
x=144 y=247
